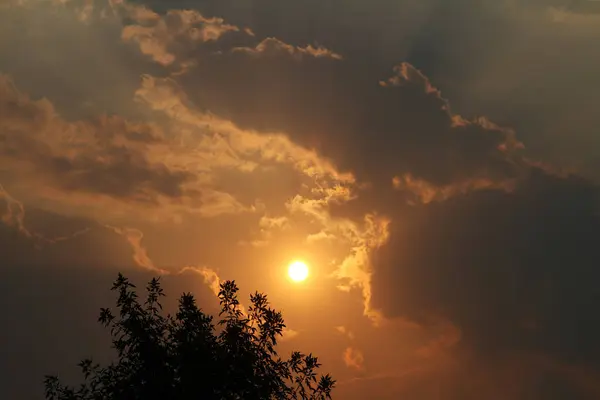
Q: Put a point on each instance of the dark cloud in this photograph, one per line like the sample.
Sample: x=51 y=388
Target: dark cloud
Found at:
x=511 y=266
x=178 y=38
x=103 y=156
x=53 y=293
x=376 y=130
x=51 y=323
x=501 y=59
x=515 y=272
x=126 y=176
x=513 y=269
x=74 y=58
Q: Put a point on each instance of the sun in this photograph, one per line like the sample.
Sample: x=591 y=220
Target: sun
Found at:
x=298 y=271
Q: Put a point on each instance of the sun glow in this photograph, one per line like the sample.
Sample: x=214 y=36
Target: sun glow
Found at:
x=298 y=271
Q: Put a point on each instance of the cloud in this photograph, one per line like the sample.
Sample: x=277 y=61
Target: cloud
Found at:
x=14 y=213
x=57 y=293
x=359 y=137
x=509 y=81
x=499 y=59
x=211 y=278
x=14 y=217
x=344 y=331
x=510 y=271
x=140 y=255
x=353 y=358
x=456 y=200
x=167 y=38
x=446 y=341
x=273 y=47
x=237 y=147
x=425 y=192
x=330 y=106
x=102 y=156
x=107 y=161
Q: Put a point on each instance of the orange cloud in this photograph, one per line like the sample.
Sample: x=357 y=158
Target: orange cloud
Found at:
x=448 y=338
x=344 y=331
x=14 y=213
x=166 y=37
x=140 y=254
x=274 y=47
x=102 y=164
x=425 y=192
x=353 y=358
x=14 y=216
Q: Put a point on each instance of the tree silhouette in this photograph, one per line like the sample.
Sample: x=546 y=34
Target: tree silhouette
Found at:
x=186 y=356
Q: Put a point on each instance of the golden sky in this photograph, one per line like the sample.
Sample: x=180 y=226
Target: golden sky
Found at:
x=433 y=162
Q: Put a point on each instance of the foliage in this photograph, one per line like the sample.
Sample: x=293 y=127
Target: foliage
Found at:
x=186 y=356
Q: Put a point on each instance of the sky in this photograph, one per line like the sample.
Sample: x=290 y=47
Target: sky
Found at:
x=434 y=162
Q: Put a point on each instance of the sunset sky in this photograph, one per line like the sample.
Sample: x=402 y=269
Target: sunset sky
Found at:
x=433 y=162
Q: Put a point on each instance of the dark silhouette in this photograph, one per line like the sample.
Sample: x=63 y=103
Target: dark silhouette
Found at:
x=187 y=357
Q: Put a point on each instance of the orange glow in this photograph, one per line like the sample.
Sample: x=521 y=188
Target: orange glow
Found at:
x=298 y=271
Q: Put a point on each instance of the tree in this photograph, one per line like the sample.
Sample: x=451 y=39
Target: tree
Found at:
x=186 y=356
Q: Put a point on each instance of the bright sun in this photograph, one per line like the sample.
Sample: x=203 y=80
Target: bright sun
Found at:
x=298 y=271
